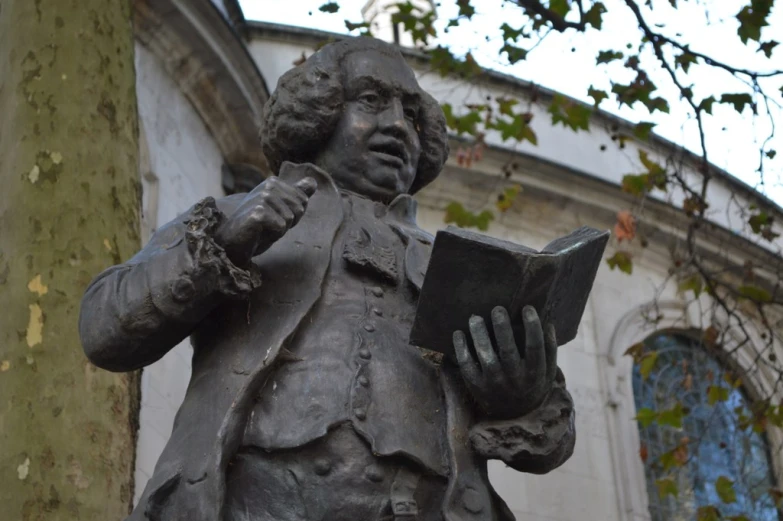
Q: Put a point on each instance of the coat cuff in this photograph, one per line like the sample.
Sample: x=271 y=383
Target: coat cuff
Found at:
x=536 y=443
x=200 y=266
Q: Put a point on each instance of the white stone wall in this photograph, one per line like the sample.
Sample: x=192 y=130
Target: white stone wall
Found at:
x=180 y=165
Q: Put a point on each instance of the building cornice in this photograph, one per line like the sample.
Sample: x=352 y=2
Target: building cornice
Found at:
x=211 y=65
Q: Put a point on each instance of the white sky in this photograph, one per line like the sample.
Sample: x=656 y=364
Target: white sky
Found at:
x=733 y=140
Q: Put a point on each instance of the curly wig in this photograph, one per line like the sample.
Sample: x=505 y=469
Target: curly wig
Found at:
x=303 y=111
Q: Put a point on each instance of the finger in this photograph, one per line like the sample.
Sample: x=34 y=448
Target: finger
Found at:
x=551 y=353
x=468 y=368
x=269 y=220
x=280 y=207
x=535 y=359
x=507 y=346
x=307 y=185
x=483 y=345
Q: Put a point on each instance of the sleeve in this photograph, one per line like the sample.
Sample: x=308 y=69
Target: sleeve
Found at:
x=134 y=313
x=536 y=443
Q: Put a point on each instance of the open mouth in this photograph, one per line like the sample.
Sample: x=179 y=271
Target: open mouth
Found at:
x=390 y=151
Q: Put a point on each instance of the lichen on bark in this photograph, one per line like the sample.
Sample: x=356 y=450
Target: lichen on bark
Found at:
x=69 y=120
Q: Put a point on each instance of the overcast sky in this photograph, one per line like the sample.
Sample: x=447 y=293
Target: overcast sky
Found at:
x=567 y=64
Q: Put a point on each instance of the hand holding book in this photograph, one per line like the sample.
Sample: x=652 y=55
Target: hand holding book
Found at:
x=504 y=383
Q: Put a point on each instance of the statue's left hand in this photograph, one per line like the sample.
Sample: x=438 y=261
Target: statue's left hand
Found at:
x=505 y=384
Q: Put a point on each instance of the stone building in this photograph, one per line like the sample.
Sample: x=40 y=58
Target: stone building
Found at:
x=203 y=75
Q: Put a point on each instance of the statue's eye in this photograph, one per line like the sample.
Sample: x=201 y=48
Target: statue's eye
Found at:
x=370 y=98
x=411 y=113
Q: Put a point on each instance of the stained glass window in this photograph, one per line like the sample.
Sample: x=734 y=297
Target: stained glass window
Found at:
x=714 y=443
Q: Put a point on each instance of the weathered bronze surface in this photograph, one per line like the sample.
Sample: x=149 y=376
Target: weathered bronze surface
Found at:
x=306 y=401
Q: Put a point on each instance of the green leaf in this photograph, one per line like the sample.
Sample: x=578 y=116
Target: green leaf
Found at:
x=640 y=90
x=594 y=15
x=706 y=104
x=622 y=261
x=755 y=293
x=329 y=7
x=608 y=56
x=672 y=417
x=507 y=197
x=597 y=95
x=445 y=63
x=771 y=153
x=760 y=221
x=636 y=352
x=516 y=128
x=666 y=487
x=571 y=114
x=752 y=18
x=361 y=25
x=647 y=364
x=559 y=7
x=645 y=417
x=708 y=513
x=509 y=33
x=635 y=184
x=738 y=518
x=506 y=105
x=465 y=9
x=767 y=47
x=642 y=129
x=515 y=54
x=716 y=393
x=656 y=172
x=465 y=124
x=725 y=489
x=738 y=100
x=457 y=214
x=693 y=283
x=685 y=60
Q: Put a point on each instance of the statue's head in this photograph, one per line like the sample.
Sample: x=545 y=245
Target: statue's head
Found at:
x=355 y=109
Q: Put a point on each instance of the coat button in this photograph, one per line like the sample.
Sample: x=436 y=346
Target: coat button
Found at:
x=369 y=328
x=365 y=353
x=183 y=289
x=377 y=312
x=360 y=413
x=374 y=473
x=376 y=291
x=363 y=381
x=471 y=500
x=322 y=466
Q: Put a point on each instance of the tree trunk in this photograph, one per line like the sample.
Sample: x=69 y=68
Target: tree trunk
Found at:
x=69 y=207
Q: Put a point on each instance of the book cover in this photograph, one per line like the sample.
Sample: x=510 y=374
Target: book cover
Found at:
x=470 y=273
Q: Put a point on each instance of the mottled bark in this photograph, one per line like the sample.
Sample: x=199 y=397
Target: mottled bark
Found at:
x=69 y=207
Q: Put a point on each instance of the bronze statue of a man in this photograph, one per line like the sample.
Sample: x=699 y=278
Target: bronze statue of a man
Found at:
x=306 y=402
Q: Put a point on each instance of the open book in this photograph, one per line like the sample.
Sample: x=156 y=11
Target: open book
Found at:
x=471 y=273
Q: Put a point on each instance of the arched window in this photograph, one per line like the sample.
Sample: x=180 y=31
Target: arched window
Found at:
x=714 y=443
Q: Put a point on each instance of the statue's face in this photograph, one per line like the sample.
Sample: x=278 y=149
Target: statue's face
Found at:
x=374 y=150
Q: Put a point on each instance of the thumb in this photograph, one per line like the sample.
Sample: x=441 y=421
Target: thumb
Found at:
x=307 y=185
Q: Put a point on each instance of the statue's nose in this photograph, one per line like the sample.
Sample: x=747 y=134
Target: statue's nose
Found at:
x=392 y=119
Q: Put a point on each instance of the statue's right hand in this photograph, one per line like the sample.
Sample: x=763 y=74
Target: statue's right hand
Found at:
x=263 y=217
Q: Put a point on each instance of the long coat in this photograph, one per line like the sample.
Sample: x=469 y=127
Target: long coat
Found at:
x=181 y=283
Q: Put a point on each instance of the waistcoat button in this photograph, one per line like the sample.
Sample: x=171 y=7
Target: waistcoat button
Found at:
x=360 y=413
x=322 y=466
x=365 y=353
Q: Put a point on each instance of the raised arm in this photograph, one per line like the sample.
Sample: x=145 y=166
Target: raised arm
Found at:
x=134 y=313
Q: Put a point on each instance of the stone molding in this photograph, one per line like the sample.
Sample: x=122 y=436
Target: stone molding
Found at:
x=211 y=65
